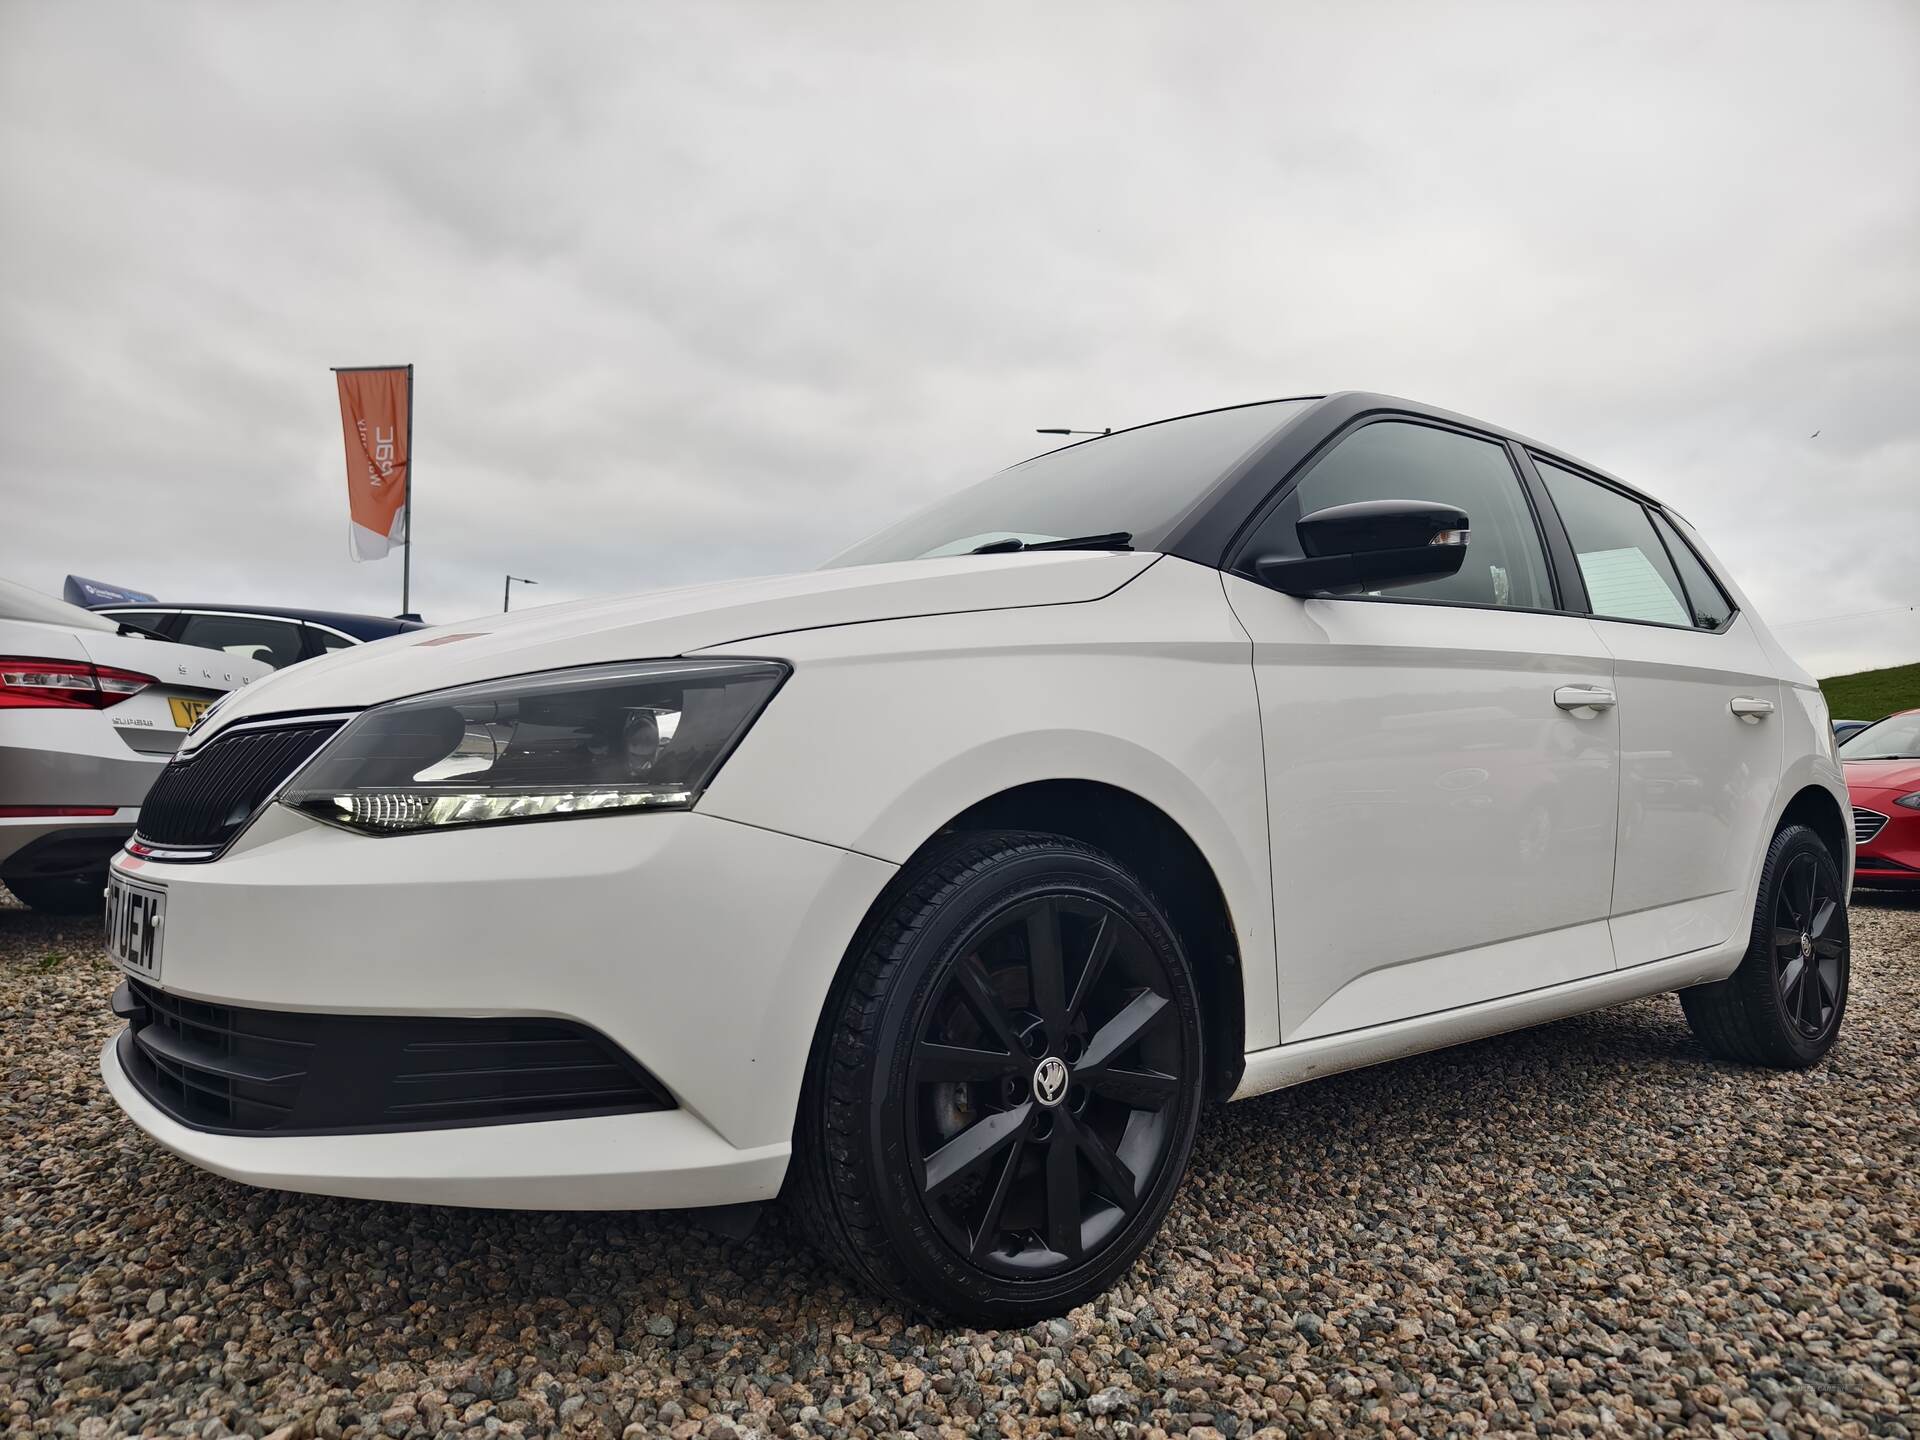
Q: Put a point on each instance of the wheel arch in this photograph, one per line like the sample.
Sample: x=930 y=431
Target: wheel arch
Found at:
x=1814 y=807
x=1156 y=848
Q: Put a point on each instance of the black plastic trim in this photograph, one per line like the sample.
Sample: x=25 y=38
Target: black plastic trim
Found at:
x=231 y=1070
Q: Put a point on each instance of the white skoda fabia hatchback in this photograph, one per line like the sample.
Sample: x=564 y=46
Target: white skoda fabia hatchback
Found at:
x=941 y=887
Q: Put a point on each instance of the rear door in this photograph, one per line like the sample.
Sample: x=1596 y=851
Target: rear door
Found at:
x=1701 y=747
x=1442 y=821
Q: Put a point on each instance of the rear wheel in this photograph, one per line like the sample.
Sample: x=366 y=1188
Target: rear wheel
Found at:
x=61 y=894
x=1783 y=1006
x=1006 y=1087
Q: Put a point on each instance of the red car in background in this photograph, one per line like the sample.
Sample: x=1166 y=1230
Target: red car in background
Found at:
x=1883 y=777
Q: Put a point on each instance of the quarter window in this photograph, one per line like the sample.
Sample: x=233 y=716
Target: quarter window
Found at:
x=1397 y=460
x=275 y=641
x=1708 y=602
x=1625 y=567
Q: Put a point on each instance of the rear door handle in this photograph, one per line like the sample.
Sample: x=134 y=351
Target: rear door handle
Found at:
x=1583 y=697
x=1750 y=708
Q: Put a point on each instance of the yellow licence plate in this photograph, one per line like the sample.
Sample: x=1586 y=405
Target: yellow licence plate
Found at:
x=185 y=712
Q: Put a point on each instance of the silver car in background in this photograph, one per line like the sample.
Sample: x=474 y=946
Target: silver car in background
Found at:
x=90 y=710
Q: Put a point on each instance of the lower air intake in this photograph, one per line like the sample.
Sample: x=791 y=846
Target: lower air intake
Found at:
x=242 y=1071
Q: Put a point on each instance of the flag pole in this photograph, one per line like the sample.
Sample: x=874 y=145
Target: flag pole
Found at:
x=406 y=560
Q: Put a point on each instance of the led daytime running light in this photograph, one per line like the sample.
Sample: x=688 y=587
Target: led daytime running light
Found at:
x=402 y=810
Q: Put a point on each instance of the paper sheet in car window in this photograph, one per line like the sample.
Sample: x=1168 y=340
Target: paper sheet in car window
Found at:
x=1624 y=584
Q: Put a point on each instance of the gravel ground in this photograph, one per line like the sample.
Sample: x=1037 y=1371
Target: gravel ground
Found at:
x=1587 y=1228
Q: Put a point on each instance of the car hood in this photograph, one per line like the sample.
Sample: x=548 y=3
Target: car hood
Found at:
x=1899 y=776
x=666 y=623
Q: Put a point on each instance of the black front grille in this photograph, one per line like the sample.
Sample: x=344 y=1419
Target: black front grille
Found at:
x=202 y=800
x=243 y=1071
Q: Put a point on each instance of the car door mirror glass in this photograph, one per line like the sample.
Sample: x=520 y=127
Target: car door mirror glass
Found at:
x=1370 y=545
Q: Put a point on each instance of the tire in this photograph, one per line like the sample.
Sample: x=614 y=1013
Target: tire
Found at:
x=979 y=1141
x=61 y=894
x=1783 y=1006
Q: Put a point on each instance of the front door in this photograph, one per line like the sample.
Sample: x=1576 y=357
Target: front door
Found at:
x=1442 y=805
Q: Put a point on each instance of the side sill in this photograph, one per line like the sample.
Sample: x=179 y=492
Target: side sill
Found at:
x=1303 y=1060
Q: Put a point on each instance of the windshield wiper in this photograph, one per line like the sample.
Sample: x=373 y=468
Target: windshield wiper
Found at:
x=1112 y=540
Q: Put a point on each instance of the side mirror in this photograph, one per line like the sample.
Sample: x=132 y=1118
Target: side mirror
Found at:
x=1370 y=545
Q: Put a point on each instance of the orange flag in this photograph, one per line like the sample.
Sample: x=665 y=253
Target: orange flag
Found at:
x=376 y=414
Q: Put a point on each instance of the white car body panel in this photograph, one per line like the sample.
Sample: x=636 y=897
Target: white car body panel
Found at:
x=1149 y=691
x=673 y=622
x=1696 y=785
x=1418 y=747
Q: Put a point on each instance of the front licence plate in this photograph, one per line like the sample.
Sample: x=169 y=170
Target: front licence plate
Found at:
x=136 y=918
x=185 y=712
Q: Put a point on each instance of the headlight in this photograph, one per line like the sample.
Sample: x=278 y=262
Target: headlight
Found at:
x=1911 y=802
x=641 y=736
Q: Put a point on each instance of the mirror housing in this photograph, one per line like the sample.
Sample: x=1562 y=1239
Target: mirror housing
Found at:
x=1370 y=545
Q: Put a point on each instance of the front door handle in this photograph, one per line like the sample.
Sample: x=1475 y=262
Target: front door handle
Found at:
x=1750 y=708
x=1576 y=698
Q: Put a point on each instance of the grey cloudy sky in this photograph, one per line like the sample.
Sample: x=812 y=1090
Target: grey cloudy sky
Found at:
x=699 y=291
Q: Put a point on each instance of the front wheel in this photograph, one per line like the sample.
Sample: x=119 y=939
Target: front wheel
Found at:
x=1006 y=1085
x=1783 y=1006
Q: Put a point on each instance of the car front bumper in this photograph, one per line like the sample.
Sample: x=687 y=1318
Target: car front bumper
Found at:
x=702 y=947
x=1892 y=856
x=659 y=1161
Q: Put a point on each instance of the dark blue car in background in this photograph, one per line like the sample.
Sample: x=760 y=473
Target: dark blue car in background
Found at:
x=271 y=633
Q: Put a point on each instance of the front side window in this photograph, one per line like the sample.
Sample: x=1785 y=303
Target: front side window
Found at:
x=1139 y=482
x=1398 y=460
x=275 y=641
x=1625 y=567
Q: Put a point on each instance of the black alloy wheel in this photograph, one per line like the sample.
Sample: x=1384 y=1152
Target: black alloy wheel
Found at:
x=1784 y=1004
x=1040 y=1083
x=1809 y=941
x=1006 y=1087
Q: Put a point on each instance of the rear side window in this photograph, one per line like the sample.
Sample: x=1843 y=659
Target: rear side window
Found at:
x=275 y=641
x=328 y=641
x=1625 y=567
x=1708 y=602
x=1395 y=460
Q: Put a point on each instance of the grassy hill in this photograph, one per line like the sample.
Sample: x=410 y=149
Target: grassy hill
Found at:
x=1869 y=694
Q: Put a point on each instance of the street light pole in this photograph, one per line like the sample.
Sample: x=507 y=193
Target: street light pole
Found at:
x=506 y=591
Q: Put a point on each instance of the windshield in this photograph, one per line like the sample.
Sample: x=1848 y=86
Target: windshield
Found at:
x=1139 y=482
x=1895 y=738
